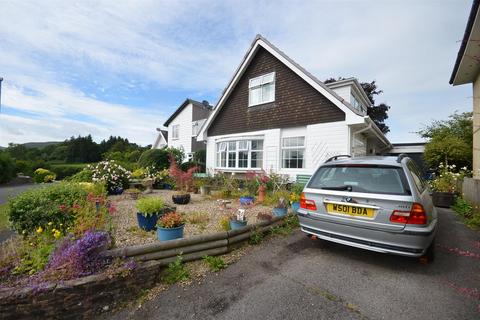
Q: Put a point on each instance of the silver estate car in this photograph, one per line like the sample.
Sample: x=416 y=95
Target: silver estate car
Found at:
x=375 y=203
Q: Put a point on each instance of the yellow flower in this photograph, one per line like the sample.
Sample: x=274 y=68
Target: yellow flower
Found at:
x=50 y=223
x=61 y=224
x=39 y=230
x=57 y=234
x=31 y=243
x=24 y=231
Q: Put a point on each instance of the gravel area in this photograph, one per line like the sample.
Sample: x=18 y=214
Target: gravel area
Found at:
x=204 y=214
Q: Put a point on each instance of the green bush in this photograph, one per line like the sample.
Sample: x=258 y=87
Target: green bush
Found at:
x=159 y=158
x=187 y=165
x=43 y=175
x=7 y=168
x=83 y=176
x=149 y=206
x=37 y=207
x=468 y=213
x=66 y=170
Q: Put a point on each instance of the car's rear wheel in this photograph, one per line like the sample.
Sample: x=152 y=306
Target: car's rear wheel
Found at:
x=429 y=255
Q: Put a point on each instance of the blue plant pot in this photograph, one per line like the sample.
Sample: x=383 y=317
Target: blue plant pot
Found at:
x=116 y=191
x=246 y=200
x=167 y=186
x=235 y=224
x=166 y=234
x=147 y=223
x=295 y=206
x=279 y=212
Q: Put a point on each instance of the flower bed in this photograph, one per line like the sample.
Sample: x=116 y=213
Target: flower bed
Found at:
x=203 y=216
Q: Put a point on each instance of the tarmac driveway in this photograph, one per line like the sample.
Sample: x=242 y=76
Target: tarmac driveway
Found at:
x=297 y=278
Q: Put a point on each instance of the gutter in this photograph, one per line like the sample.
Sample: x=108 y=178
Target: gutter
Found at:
x=466 y=36
x=379 y=133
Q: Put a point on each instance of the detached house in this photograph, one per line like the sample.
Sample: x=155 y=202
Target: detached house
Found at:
x=275 y=115
x=183 y=127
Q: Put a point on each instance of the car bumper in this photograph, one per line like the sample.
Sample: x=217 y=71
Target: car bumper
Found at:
x=411 y=242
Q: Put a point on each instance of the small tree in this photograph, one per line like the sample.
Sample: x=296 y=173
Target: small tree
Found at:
x=183 y=179
x=450 y=141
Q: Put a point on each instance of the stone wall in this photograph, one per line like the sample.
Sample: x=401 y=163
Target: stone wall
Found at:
x=77 y=299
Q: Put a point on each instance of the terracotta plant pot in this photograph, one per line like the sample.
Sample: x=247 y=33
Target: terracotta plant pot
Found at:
x=261 y=193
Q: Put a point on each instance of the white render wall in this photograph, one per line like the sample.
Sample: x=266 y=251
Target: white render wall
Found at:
x=321 y=142
x=184 y=141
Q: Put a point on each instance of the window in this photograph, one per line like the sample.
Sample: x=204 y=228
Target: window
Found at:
x=417 y=176
x=367 y=179
x=175 y=131
x=196 y=125
x=261 y=89
x=293 y=149
x=240 y=154
x=356 y=104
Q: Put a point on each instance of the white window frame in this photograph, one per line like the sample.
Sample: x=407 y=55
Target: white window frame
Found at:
x=175 y=132
x=224 y=147
x=262 y=81
x=297 y=147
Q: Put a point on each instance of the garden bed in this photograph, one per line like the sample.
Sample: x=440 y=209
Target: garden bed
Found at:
x=203 y=216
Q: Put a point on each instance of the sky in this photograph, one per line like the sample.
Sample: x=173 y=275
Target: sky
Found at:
x=122 y=67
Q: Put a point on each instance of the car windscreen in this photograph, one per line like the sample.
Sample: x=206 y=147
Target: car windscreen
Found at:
x=361 y=178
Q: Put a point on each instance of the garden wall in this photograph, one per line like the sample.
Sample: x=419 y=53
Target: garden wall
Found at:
x=471 y=190
x=77 y=299
x=82 y=298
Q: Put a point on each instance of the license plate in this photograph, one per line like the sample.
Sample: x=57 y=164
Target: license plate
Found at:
x=350 y=210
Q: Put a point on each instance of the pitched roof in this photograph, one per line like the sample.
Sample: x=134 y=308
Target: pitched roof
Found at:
x=465 y=41
x=183 y=105
x=307 y=76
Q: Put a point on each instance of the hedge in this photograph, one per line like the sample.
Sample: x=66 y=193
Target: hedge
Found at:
x=66 y=170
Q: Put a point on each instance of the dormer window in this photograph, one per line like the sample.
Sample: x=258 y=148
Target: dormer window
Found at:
x=356 y=104
x=261 y=89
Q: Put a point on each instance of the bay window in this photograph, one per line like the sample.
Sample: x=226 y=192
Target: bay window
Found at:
x=239 y=154
x=261 y=89
x=293 y=150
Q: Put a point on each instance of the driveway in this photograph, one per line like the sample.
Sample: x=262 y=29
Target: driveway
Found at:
x=10 y=191
x=297 y=278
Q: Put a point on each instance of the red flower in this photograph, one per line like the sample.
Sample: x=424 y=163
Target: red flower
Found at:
x=76 y=206
x=62 y=207
x=112 y=209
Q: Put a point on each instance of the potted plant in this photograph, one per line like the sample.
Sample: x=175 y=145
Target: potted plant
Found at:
x=133 y=192
x=170 y=226
x=183 y=180
x=149 y=210
x=250 y=186
x=295 y=197
x=239 y=220
x=445 y=185
x=280 y=209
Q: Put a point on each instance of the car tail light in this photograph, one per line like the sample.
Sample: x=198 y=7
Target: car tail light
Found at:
x=416 y=215
x=307 y=204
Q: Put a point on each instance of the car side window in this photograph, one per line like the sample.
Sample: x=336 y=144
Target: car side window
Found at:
x=417 y=177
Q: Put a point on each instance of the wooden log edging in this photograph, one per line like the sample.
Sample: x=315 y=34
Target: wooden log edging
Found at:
x=196 y=247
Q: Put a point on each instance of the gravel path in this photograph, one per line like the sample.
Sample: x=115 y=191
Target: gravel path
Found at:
x=204 y=215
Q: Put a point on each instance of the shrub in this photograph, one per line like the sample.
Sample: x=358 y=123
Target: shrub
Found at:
x=224 y=223
x=138 y=173
x=159 y=157
x=272 y=199
x=83 y=176
x=176 y=271
x=183 y=179
x=77 y=258
x=7 y=167
x=40 y=175
x=448 y=179
x=38 y=207
x=469 y=213
x=171 y=220
x=112 y=174
x=63 y=171
x=214 y=263
x=149 y=206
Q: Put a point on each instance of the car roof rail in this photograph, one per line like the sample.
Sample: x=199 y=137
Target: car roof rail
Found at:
x=401 y=156
x=339 y=156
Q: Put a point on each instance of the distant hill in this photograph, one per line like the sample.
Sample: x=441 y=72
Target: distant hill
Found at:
x=32 y=145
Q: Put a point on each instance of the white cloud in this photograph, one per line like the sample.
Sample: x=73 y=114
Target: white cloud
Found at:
x=409 y=47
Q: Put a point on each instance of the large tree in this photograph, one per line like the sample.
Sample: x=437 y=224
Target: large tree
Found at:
x=378 y=113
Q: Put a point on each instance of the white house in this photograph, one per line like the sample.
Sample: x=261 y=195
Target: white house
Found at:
x=274 y=115
x=183 y=127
